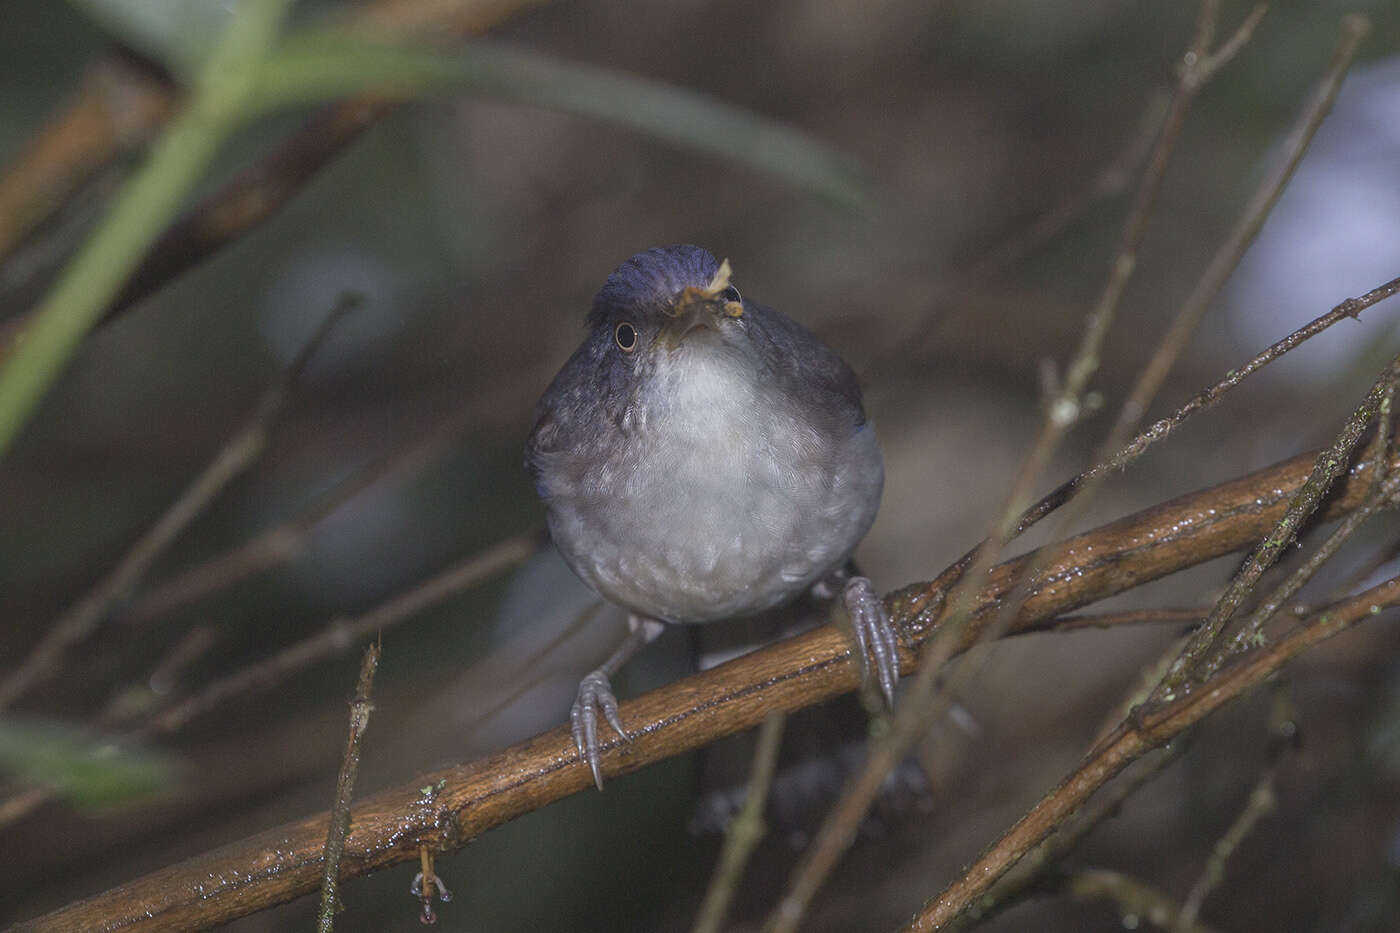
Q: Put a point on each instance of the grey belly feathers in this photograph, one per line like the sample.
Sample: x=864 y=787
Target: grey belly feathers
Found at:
x=717 y=492
x=721 y=501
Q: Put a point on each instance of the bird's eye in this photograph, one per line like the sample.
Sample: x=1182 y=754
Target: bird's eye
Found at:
x=626 y=336
x=731 y=294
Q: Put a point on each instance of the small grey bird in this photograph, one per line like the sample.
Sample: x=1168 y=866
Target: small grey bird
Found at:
x=703 y=457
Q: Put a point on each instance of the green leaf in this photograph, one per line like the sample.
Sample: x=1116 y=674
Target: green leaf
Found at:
x=149 y=201
x=179 y=34
x=317 y=66
x=85 y=769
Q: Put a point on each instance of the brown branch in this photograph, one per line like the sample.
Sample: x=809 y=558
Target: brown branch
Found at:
x=360 y=709
x=337 y=636
x=284 y=542
x=745 y=830
x=1261 y=802
x=1112 y=180
x=236 y=455
x=284 y=863
x=342 y=632
x=84 y=137
x=1072 y=623
x=1135 y=738
x=1251 y=220
x=924 y=701
x=1251 y=632
x=1033 y=873
x=1130 y=897
x=1330 y=464
x=118 y=105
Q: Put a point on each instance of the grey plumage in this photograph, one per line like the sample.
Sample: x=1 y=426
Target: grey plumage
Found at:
x=702 y=456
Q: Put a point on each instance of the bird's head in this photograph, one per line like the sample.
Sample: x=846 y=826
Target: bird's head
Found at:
x=667 y=301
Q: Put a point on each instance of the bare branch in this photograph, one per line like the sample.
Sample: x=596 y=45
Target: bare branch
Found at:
x=1134 y=739
x=923 y=702
x=1251 y=219
x=236 y=455
x=360 y=710
x=285 y=541
x=1330 y=463
x=341 y=633
x=1260 y=803
x=1131 y=897
x=1033 y=871
x=1252 y=631
x=745 y=829
x=389 y=827
x=121 y=104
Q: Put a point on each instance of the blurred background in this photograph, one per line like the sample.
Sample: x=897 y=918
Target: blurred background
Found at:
x=476 y=232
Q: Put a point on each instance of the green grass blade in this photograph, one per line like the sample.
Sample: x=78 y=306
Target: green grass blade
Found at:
x=319 y=66
x=143 y=209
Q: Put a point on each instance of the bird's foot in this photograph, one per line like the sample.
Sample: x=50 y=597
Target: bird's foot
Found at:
x=594 y=694
x=875 y=636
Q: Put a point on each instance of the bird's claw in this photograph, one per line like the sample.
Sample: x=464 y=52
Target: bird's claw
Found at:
x=875 y=636
x=594 y=693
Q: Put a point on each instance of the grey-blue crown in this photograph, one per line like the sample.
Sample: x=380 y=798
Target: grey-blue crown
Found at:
x=652 y=278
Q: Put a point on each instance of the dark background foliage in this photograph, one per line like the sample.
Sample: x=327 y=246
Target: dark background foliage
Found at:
x=477 y=233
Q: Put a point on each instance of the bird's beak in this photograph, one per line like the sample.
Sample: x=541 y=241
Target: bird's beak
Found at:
x=697 y=309
x=690 y=316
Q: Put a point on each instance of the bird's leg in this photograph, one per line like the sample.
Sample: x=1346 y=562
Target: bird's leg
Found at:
x=595 y=693
x=874 y=633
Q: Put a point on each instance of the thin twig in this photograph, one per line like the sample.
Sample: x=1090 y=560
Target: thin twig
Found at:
x=360 y=708
x=1228 y=49
x=1259 y=804
x=342 y=632
x=1086 y=487
x=1330 y=464
x=1158 y=431
x=1030 y=873
x=1131 y=897
x=1251 y=632
x=237 y=454
x=286 y=540
x=1351 y=308
x=1112 y=180
x=338 y=636
x=1133 y=739
x=1099 y=620
x=745 y=830
x=918 y=708
x=1251 y=220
